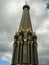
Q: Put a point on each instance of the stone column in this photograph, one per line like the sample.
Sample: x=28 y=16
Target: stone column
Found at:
x=17 y=52
x=28 y=54
x=13 y=57
x=31 y=53
x=21 y=53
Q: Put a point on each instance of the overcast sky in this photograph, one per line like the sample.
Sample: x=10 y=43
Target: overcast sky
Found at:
x=10 y=17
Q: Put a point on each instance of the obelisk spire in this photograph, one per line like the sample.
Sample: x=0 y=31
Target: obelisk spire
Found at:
x=25 y=23
x=25 y=42
x=25 y=20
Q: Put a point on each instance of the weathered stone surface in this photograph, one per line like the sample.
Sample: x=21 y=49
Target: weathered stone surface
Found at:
x=25 y=49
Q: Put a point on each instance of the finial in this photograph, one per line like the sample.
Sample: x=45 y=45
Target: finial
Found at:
x=26 y=5
x=26 y=2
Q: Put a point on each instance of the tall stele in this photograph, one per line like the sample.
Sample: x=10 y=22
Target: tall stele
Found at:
x=25 y=42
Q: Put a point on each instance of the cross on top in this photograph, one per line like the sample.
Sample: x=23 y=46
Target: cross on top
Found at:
x=26 y=2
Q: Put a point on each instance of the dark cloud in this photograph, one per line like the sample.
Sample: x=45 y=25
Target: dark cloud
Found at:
x=47 y=5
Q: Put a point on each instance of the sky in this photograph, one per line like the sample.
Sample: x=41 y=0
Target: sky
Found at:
x=10 y=17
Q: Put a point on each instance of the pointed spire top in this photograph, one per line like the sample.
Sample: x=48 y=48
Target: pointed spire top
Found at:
x=25 y=21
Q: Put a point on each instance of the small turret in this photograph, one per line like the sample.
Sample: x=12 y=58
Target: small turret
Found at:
x=34 y=36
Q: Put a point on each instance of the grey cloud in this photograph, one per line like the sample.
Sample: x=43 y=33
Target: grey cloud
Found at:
x=9 y=24
x=44 y=61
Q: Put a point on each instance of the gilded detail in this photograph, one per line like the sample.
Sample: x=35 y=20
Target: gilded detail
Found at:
x=14 y=45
